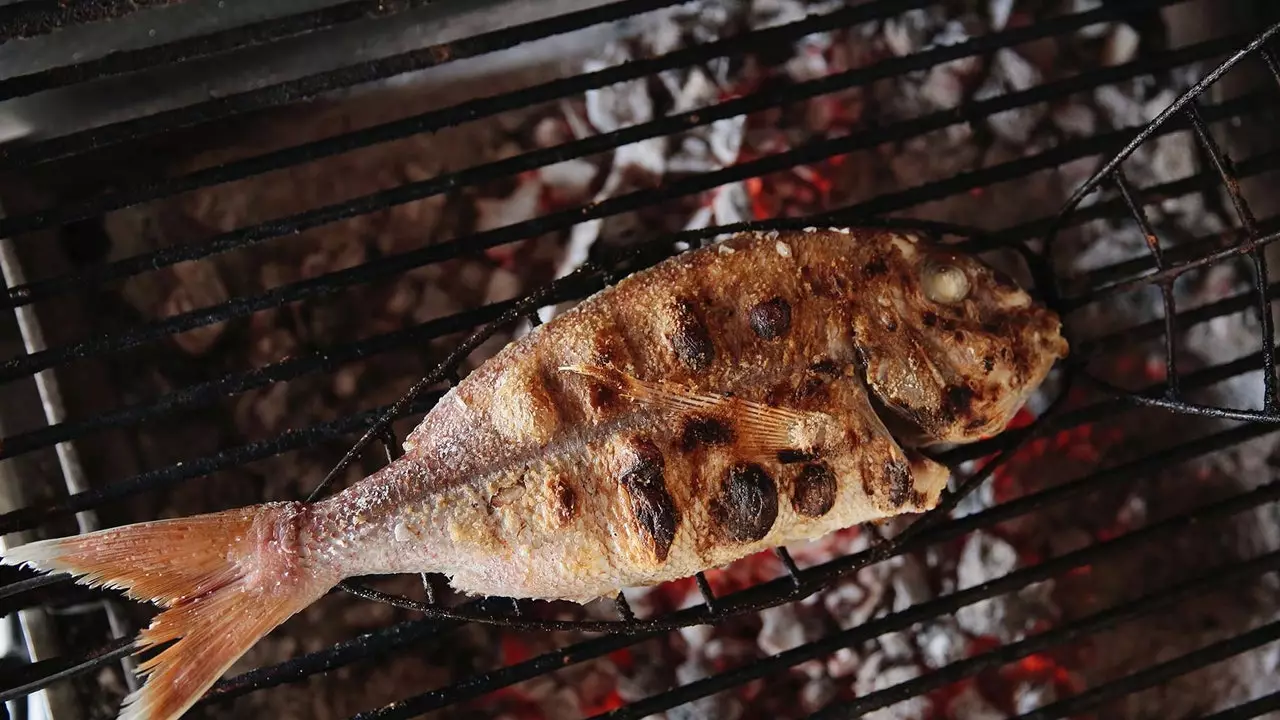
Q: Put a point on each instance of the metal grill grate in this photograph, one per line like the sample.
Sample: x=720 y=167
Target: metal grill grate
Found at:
x=1035 y=240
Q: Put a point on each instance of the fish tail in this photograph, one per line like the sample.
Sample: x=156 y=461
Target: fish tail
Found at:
x=225 y=580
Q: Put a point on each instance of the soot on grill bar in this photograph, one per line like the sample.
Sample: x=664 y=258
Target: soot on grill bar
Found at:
x=945 y=170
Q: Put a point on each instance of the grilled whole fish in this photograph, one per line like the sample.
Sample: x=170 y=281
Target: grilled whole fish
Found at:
x=763 y=391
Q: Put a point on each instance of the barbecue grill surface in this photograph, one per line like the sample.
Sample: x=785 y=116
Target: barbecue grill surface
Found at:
x=117 y=384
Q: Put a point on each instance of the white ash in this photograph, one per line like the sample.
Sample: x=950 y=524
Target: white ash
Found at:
x=721 y=705
x=789 y=626
x=877 y=674
x=1028 y=697
x=1009 y=72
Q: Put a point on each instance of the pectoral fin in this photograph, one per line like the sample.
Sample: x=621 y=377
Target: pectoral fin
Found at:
x=759 y=430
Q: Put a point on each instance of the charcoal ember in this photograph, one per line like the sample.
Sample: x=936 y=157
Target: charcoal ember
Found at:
x=998 y=12
x=945 y=85
x=912 y=30
x=197 y=285
x=817 y=693
x=1121 y=45
x=1173 y=158
x=1121 y=106
x=910 y=583
x=941 y=643
x=772 y=13
x=697 y=636
x=843 y=663
x=969 y=704
x=650 y=673
x=724 y=704
x=877 y=674
x=522 y=204
x=898 y=647
x=1075 y=120
x=569 y=182
x=851 y=603
x=728 y=651
x=1009 y=72
x=1074 y=7
x=987 y=557
x=1028 y=696
x=790 y=626
x=620 y=105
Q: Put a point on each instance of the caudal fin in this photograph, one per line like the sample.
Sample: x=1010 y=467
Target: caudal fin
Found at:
x=226 y=579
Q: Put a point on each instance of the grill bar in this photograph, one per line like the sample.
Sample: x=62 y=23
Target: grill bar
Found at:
x=330 y=283
x=29 y=18
x=47 y=672
x=1251 y=709
x=312 y=85
x=1164 y=282
x=933 y=528
x=505 y=677
x=327 y=360
x=1154 y=128
x=128 y=61
x=28 y=517
x=819 y=575
x=1157 y=674
x=252 y=235
x=1231 y=181
x=1151 y=602
x=468 y=111
x=1172 y=272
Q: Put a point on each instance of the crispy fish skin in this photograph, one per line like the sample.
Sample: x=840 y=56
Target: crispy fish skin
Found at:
x=725 y=401
x=531 y=480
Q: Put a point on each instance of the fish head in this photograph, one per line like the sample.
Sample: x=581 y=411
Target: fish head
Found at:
x=951 y=348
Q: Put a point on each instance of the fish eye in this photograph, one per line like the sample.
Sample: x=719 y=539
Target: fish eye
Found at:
x=945 y=283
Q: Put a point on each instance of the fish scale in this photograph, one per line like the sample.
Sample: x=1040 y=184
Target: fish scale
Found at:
x=763 y=391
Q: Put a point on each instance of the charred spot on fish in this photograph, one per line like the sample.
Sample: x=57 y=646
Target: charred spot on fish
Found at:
x=958 y=335
x=875 y=268
x=868 y=488
x=601 y=396
x=891 y=325
x=988 y=363
x=748 y=503
x=826 y=367
x=814 y=491
x=701 y=430
x=918 y=498
x=651 y=504
x=778 y=394
x=930 y=318
x=819 y=283
x=566 y=499
x=791 y=457
x=897 y=478
x=957 y=400
x=810 y=388
x=770 y=319
x=691 y=340
x=605 y=350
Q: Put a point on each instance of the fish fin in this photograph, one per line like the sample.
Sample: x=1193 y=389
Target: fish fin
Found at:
x=763 y=431
x=226 y=580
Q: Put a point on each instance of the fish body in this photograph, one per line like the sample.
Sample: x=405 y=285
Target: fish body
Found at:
x=766 y=390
